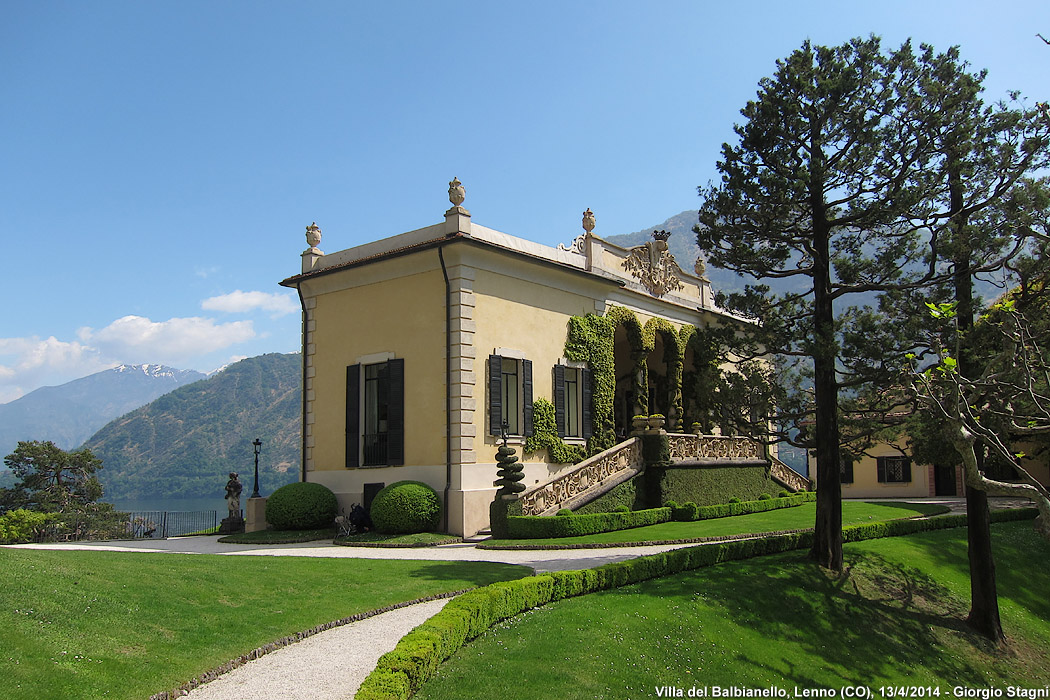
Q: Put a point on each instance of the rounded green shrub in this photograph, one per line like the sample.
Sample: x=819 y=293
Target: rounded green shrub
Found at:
x=301 y=506
x=621 y=509
x=783 y=494
x=764 y=497
x=406 y=507
x=564 y=511
x=734 y=500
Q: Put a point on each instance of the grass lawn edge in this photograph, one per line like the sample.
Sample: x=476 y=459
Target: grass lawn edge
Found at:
x=399 y=674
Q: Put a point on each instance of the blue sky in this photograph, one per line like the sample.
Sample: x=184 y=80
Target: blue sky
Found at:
x=159 y=161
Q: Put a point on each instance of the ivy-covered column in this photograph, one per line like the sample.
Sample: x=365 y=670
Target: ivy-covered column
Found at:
x=656 y=456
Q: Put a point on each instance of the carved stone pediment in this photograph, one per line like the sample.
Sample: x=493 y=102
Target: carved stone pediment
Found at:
x=654 y=266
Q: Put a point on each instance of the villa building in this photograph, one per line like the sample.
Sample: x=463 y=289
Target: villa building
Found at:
x=423 y=349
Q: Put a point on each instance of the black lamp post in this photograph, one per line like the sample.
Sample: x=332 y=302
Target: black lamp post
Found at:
x=257 y=445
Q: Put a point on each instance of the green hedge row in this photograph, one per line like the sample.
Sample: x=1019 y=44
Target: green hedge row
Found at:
x=401 y=672
x=690 y=511
x=530 y=527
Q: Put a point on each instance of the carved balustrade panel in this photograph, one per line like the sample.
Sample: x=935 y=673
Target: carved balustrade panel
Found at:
x=789 y=476
x=720 y=447
x=586 y=474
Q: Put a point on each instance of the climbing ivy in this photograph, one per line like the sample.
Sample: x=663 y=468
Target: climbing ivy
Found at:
x=590 y=340
x=545 y=435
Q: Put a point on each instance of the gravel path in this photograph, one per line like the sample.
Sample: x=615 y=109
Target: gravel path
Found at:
x=328 y=665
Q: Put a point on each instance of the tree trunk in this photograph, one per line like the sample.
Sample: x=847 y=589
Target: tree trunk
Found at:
x=984 y=598
x=827 y=530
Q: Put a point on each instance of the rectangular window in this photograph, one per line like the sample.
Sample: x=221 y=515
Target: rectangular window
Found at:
x=510 y=414
x=375 y=414
x=510 y=395
x=377 y=406
x=893 y=470
x=572 y=401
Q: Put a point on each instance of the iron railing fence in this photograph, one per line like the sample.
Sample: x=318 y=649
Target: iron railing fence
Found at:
x=167 y=523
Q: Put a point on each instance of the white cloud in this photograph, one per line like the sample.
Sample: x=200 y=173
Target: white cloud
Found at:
x=137 y=339
x=32 y=362
x=276 y=303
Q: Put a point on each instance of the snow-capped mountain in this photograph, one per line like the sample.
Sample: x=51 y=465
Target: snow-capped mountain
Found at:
x=71 y=413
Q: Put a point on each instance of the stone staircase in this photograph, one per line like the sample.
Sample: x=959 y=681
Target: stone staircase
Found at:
x=595 y=476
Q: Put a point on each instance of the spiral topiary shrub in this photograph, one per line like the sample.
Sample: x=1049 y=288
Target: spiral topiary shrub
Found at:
x=301 y=506
x=406 y=507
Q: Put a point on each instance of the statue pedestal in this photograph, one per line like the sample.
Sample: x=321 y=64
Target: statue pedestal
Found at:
x=256 y=515
x=231 y=525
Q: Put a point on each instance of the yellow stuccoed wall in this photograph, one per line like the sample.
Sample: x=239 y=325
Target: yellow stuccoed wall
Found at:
x=404 y=316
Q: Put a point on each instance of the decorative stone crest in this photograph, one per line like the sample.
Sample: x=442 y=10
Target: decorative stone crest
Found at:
x=654 y=267
x=313 y=236
x=456 y=193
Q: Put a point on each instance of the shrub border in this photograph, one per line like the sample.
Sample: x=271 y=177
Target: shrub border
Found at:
x=400 y=673
x=532 y=527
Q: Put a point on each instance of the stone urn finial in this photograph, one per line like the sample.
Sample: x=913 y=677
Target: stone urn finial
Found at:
x=588 y=220
x=313 y=235
x=456 y=193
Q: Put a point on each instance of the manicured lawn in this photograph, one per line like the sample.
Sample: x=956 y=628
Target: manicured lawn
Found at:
x=120 y=625
x=895 y=617
x=795 y=518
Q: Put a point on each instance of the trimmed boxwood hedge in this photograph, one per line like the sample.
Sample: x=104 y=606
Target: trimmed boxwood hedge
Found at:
x=689 y=512
x=531 y=527
x=406 y=507
x=416 y=658
x=301 y=506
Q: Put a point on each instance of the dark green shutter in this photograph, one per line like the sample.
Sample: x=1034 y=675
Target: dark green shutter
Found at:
x=495 y=398
x=880 y=468
x=395 y=425
x=353 y=416
x=559 y=399
x=586 y=408
x=907 y=470
x=526 y=391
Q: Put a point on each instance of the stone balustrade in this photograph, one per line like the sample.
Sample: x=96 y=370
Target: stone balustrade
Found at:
x=584 y=476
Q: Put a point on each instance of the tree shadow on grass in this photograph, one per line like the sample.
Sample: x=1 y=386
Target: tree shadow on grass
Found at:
x=474 y=573
x=876 y=620
x=1022 y=563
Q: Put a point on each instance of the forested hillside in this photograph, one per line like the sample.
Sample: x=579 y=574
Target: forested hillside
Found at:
x=183 y=444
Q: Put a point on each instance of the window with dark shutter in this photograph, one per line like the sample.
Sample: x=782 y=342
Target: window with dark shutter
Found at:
x=495 y=394
x=353 y=416
x=893 y=470
x=526 y=397
x=396 y=413
x=510 y=395
x=559 y=400
x=587 y=399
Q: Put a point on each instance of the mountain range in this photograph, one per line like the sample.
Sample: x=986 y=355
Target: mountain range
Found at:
x=71 y=413
x=183 y=444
